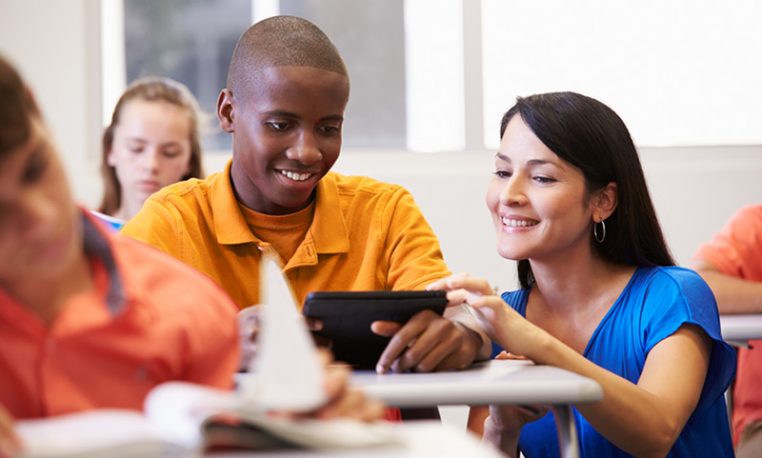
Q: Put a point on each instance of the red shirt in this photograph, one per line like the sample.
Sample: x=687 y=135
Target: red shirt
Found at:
x=150 y=319
x=737 y=251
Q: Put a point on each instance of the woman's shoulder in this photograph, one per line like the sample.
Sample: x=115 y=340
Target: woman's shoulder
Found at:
x=667 y=278
x=669 y=297
x=670 y=291
x=675 y=279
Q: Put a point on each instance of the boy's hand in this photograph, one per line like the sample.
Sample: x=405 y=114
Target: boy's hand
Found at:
x=10 y=444
x=248 y=328
x=427 y=342
x=343 y=401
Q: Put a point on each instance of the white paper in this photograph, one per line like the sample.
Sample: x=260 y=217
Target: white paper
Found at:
x=97 y=433
x=178 y=410
x=288 y=373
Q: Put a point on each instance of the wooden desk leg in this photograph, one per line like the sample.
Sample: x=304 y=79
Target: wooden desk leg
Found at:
x=568 y=443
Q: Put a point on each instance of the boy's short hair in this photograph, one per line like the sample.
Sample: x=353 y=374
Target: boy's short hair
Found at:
x=281 y=41
x=17 y=108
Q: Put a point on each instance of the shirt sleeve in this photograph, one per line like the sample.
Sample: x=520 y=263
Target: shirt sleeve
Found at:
x=213 y=345
x=682 y=297
x=413 y=252
x=737 y=248
x=155 y=224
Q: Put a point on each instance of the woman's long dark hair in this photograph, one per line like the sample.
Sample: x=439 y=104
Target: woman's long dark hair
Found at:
x=592 y=137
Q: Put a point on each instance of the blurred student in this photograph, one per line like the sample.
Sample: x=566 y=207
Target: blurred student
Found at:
x=88 y=318
x=732 y=265
x=284 y=103
x=600 y=295
x=152 y=141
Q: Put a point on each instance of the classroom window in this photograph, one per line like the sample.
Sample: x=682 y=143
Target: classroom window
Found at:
x=678 y=72
x=187 y=40
x=403 y=63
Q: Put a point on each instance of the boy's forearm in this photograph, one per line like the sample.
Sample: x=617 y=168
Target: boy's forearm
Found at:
x=734 y=295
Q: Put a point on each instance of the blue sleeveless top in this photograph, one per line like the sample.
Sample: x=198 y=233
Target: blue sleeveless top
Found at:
x=653 y=305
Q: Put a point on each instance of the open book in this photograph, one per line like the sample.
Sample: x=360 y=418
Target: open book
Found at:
x=181 y=418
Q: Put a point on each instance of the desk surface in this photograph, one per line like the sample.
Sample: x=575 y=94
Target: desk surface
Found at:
x=421 y=438
x=741 y=327
x=493 y=382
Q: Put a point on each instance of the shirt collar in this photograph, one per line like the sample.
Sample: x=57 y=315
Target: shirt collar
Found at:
x=96 y=245
x=328 y=229
x=229 y=223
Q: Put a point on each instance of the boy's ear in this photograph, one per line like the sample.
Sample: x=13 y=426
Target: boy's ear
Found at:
x=226 y=110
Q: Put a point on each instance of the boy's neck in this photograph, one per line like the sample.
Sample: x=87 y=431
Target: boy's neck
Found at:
x=45 y=298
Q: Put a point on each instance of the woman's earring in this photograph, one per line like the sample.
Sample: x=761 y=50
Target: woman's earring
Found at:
x=600 y=236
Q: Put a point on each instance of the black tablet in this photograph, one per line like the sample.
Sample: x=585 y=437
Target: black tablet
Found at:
x=347 y=316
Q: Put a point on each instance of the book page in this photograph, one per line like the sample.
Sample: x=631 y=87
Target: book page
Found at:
x=186 y=414
x=178 y=410
x=105 y=432
x=287 y=374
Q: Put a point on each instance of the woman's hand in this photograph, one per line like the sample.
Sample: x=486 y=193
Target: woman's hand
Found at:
x=503 y=324
x=512 y=418
x=503 y=425
x=10 y=444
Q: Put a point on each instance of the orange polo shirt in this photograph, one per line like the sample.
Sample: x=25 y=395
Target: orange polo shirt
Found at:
x=149 y=319
x=364 y=235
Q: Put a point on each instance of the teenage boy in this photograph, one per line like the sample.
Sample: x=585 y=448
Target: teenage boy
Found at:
x=284 y=104
x=90 y=319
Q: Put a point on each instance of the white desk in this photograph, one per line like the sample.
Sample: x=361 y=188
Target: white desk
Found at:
x=494 y=382
x=741 y=328
x=421 y=439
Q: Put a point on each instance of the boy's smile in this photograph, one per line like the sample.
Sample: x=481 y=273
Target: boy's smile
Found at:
x=286 y=135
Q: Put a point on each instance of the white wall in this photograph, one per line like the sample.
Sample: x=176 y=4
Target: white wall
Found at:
x=694 y=190
x=55 y=45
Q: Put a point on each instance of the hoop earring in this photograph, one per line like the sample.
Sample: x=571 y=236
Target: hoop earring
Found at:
x=602 y=236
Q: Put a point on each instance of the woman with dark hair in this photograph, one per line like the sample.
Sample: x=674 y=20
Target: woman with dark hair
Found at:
x=600 y=295
x=152 y=141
